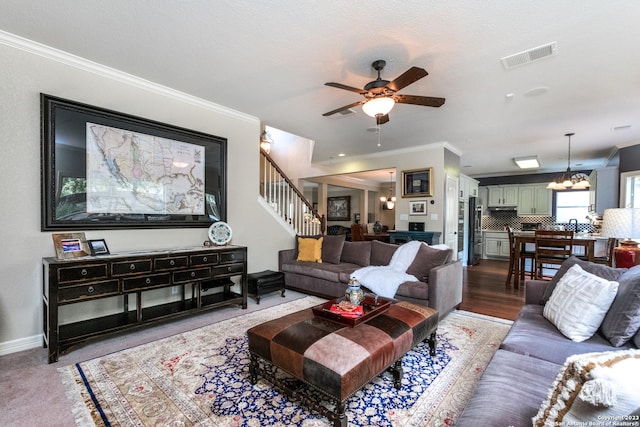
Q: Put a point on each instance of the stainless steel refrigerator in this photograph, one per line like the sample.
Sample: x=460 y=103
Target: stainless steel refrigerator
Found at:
x=475 y=232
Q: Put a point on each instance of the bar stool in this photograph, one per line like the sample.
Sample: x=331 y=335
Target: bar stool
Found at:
x=552 y=248
x=524 y=255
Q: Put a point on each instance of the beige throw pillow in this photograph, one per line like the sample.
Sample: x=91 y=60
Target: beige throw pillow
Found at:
x=579 y=303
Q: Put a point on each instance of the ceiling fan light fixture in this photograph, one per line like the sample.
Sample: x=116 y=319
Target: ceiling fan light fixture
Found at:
x=378 y=106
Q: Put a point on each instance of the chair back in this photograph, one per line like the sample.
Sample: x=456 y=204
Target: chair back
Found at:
x=357 y=233
x=512 y=238
x=553 y=246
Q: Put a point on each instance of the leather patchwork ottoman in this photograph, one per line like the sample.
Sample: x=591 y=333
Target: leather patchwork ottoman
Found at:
x=335 y=359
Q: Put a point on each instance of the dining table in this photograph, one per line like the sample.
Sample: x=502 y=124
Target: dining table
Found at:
x=586 y=242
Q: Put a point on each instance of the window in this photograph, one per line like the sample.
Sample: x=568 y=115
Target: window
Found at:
x=572 y=205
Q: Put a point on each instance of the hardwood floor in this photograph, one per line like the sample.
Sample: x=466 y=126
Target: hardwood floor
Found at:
x=485 y=292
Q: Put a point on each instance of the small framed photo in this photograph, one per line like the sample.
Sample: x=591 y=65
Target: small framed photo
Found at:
x=98 y=247
x=418 y=207
x=70 y=245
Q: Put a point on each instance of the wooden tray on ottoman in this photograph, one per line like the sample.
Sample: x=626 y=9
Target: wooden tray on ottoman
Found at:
x=369 y=306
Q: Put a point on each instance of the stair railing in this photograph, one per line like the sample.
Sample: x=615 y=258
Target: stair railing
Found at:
x=286 y=200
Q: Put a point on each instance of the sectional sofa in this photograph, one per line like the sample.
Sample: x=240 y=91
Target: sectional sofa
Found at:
x=537 y=365
x=439 y=283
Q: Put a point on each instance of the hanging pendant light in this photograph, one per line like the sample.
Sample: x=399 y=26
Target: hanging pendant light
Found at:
x=570 y=180
x=389 y=201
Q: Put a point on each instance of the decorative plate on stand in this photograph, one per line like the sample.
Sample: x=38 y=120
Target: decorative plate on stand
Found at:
x=220 y=233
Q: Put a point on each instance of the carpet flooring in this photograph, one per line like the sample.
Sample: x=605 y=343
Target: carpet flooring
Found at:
x=200 y=377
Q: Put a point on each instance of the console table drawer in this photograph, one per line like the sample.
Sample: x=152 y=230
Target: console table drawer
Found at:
x=227 y=257
x=207 y=259
x=170 y=263
x=87 y=272
x=130 y=267
x=88 y=291
x=228 y=269
x=146 y=282
x=191 y=275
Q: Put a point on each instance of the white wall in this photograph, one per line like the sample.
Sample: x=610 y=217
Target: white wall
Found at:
x=29 y=69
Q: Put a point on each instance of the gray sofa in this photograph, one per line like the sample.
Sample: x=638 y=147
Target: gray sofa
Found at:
x=518 y=379
x=439 y=285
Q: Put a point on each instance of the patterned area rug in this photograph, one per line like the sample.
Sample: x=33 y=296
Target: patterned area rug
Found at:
x=201 y=378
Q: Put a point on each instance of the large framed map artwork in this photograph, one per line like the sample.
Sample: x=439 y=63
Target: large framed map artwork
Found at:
x=103 y=169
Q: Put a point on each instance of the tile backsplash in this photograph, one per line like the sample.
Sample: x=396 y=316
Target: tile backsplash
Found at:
x=498 y=220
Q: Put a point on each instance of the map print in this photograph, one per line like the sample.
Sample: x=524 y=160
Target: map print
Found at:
x=135 y=173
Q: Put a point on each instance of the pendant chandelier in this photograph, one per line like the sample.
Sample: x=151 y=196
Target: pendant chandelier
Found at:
x=570 y=180
x=390 y=201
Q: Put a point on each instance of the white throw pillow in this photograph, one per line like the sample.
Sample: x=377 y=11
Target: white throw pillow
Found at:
x=579 y=303
x=593 y=389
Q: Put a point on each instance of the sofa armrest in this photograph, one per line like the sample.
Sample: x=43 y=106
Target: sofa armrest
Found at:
x=533 y=291
x=285 y=255
x=445 y=287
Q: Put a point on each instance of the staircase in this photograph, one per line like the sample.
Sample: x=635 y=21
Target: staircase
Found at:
x=286 y=200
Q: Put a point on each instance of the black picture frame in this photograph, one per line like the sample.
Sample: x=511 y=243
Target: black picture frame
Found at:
x=98 y=247
x=65 y=128
x=339 y=208
x=417 y=183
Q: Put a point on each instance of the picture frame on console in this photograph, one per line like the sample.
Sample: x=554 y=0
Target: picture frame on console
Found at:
x=103 y=169
x=70 y=245
x=417 y=183
x=98 y=247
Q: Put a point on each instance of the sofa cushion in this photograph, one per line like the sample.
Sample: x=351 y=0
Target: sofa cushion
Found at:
x=509 y=392
x=415 y=290
x=599 y=270
x=381 y=252
x=591 y=388
x=427 y=258
x=326 y=271
x=356 y=253
x=636 y=339
x=310 y=249
x=579 y=303
x=623 y=318
x=533 y=335
x=332 y=248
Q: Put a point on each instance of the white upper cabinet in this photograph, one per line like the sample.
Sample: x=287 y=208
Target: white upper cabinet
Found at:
x=502 y=195
x=534 y=199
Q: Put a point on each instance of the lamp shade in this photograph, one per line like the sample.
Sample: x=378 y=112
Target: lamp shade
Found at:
x=621 y=223
x=378 y=106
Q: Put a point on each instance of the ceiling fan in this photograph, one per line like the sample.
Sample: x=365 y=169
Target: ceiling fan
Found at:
x=380 y=95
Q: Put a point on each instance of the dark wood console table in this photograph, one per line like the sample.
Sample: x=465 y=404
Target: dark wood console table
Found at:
x=206 y=272
x=429 y=237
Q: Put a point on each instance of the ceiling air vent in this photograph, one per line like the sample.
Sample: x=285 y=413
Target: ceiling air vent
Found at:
x=530 y=55
x=343 y=113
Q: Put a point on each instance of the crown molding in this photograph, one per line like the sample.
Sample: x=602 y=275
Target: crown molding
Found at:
x=84 y=64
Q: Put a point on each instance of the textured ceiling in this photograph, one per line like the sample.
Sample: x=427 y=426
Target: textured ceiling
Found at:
x=270 y=59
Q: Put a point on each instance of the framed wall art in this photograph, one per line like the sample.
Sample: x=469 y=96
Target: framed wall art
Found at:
x=418 y=207
x=417 y=183
x=102 y=169
x=339 y=208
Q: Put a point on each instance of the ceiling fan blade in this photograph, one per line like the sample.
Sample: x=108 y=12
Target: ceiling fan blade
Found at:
x=380 y=120
x=412 y=75
x=427 y=101
x=345 y=87
x=346 y=107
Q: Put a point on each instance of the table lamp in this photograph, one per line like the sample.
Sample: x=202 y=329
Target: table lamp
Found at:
x=623 y=223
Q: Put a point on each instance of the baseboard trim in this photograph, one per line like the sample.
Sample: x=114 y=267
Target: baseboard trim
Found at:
x=21 y=344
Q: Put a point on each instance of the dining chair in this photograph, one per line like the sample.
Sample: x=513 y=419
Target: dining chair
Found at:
x=357 y=233
x=524 y=256
x=607 y=258
x=553 y=247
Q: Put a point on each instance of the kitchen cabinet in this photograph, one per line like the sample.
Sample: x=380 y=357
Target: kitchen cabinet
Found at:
x=502 y=195
x=483 y=194
x=603 y=190
x=468 y=188
x=534 y=199
x=496 y=244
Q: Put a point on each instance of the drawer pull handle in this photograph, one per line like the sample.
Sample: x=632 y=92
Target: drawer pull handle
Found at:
x=90 y=289
x=229 y=269
x=84 y=272
x=193 y=274
x=233 y=256
x=148 y=281
x=204 y=259
x=172 y=262
x=132 y=267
